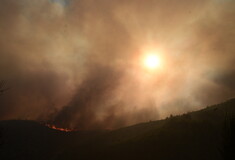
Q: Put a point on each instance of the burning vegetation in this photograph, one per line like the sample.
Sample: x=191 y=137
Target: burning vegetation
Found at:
x=59 y=129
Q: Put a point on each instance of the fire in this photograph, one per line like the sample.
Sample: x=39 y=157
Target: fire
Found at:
x=59 y=129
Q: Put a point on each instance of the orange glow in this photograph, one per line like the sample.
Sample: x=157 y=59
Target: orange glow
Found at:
x=59 y=129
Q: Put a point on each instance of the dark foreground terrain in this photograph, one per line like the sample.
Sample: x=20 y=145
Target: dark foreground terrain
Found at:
x=208 y=134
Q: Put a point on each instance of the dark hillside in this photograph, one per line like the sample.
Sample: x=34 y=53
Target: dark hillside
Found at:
x=205 y=134
x=27 y=139
x=197 y=135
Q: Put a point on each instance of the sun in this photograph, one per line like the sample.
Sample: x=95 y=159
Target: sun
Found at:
x=152 y=61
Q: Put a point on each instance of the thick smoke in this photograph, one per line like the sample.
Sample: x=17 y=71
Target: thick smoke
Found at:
x=76 y=63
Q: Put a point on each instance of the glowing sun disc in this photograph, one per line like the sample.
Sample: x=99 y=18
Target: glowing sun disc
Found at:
x=152 y=61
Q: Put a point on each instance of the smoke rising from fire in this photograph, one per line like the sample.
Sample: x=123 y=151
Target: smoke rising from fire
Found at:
x=75 y=62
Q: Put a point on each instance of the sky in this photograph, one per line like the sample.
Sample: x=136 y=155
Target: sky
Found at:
x=78 y=63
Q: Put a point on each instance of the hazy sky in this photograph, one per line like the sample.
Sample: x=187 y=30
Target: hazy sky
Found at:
x=78 y=63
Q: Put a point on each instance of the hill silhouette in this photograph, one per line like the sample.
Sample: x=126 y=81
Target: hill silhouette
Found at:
x=205 y=134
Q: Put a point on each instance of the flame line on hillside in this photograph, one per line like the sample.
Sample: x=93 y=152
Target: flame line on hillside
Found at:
x=59 y=129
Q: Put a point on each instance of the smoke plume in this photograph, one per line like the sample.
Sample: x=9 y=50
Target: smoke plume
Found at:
x=76 y=63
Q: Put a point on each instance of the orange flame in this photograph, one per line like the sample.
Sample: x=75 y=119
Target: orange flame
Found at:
x=59 y=129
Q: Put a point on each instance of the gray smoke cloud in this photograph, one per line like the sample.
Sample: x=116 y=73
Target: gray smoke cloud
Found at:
x=77 y=63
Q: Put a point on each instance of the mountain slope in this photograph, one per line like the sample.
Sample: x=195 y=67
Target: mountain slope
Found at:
x=205 y=134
